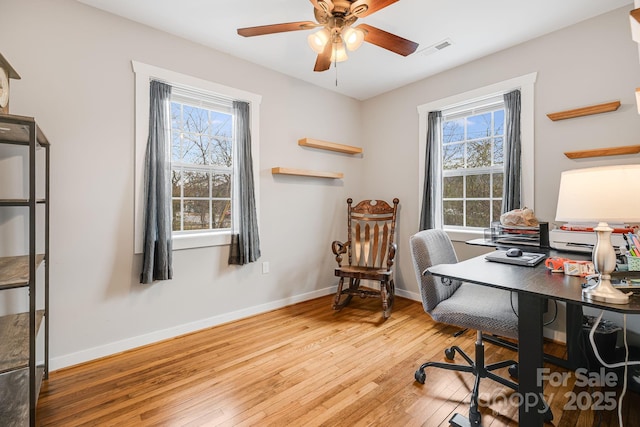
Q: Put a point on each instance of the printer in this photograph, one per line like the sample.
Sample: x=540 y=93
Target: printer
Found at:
x=582 y=241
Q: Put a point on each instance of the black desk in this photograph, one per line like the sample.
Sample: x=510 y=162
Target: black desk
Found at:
x=533 y=286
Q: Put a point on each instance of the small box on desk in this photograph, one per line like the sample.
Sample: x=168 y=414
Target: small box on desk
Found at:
x=633 y=263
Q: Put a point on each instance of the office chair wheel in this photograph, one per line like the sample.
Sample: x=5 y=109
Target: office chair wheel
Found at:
x=474 y=417
x=450 y=353
x=420 y=376
x=513 y=371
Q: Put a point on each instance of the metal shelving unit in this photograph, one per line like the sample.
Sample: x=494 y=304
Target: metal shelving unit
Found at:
x=21 y=374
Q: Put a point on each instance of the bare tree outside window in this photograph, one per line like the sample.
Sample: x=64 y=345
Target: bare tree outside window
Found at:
x=202 y=165
x=472 y=159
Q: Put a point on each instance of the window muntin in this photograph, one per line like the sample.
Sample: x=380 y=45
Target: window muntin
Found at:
x=472 y=166
x=202 y=166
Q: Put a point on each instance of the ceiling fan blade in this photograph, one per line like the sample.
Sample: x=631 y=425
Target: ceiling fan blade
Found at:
x=276 y=28
x=388 y=41
x=376 y=5
x=323 y=61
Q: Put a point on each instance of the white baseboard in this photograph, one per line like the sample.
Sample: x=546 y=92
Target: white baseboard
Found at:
x=409 y=295
x=138 y=341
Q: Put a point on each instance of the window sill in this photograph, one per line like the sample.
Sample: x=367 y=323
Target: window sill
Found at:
x=462 y=235
x=201 y=240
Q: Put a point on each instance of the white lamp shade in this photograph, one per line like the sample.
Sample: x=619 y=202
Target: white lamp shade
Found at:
x=338 y=53
x=318 y=40
x=603 y=194
x=353 y=38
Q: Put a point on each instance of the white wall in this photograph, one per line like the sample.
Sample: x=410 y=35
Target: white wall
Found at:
x=77 y=81
x=589 y=63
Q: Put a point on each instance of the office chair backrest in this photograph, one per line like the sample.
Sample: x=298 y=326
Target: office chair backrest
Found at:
x=432 y=247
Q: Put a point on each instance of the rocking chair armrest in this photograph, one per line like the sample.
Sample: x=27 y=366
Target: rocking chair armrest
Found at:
x=339 y=247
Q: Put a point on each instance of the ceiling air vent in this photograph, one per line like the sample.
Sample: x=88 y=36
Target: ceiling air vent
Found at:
x=436 y=47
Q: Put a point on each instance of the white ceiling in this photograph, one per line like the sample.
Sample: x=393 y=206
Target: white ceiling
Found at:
x=475 y=27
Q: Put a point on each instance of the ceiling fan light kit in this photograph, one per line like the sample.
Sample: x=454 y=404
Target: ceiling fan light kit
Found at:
x=337 y=18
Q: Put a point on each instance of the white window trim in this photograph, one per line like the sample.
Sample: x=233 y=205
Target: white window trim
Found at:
x=526 y=85
x=144 y=73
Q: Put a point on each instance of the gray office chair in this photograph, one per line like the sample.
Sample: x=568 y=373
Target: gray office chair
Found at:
x=465 y=305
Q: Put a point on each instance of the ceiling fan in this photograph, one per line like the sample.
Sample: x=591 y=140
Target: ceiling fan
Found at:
x=337 y=18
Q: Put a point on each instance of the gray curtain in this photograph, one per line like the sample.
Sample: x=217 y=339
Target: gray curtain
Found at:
x=245 y=241
x=512 y=151
x=157 y=222
x=430 y=207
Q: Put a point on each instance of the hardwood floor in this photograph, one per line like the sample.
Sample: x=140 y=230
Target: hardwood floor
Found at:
x=297 y=366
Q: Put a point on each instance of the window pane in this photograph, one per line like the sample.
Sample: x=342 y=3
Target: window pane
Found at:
x=177 y=214
x=222 y=214
x=497 y=185
x=196 y=119
x=221 y=124
x=478 y=186
x=498 y=122
x=497 y=209
x=479 y=126
x=196 y=214
x=479 y=153
x=453 y=156
x=196 y=184
x=221 y=185
x=452 y=187
x=175 y=183
x=453 y=212
x=221 y=151
x=196 y=149
x=478 y=213
x=498 y=151
x=453 y=130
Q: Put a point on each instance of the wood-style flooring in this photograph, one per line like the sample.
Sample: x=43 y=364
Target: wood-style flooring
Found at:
x=302 y=365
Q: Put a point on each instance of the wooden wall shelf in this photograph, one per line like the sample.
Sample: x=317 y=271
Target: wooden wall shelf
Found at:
x=331 y=146
x=306 y=172
x=599 y=152
x=585 y=111
x=635 y=25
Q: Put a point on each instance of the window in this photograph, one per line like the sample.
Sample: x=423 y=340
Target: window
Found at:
x=202 y=143
x=472 y=164
x=471 y=155
x=202 y=156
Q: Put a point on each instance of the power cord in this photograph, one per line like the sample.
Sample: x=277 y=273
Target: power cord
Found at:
x=626 y=362
x=555 y=314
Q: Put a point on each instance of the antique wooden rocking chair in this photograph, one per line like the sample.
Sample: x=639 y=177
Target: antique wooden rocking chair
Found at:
x=370 y=249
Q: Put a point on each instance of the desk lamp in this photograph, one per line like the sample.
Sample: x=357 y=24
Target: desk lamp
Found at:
x=602 y=194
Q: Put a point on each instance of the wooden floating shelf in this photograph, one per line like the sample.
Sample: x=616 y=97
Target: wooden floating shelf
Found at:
x=305 y=172
x=585 y=111
x=331 y=146
x=635 y=25
x=599 y=152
